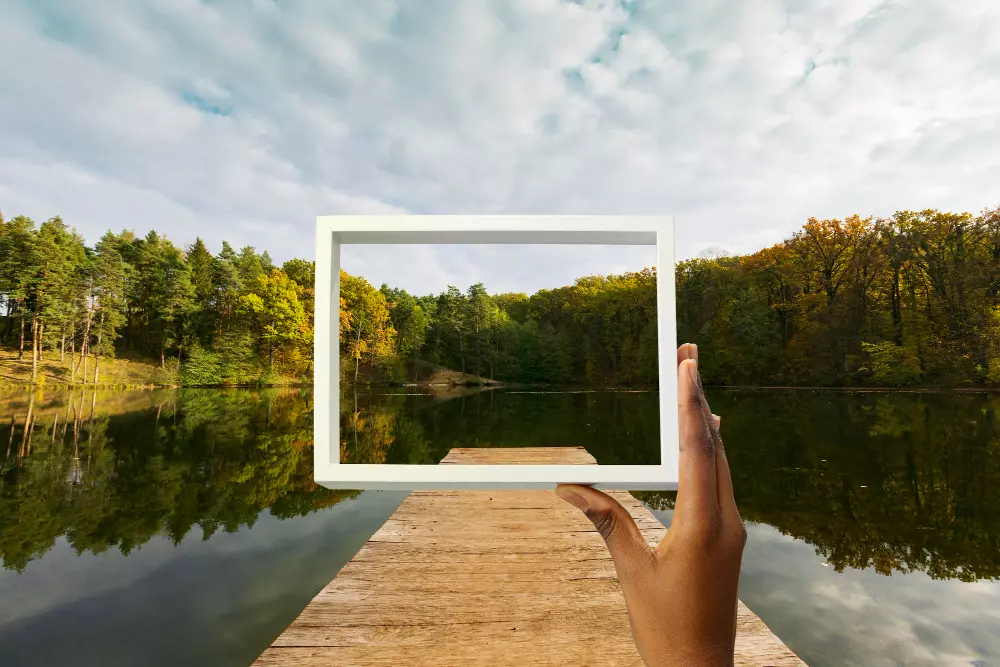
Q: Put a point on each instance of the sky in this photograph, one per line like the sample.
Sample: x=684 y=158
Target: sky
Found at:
x=244 y=120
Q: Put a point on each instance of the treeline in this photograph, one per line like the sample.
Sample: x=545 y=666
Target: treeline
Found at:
x=601 y=330
x=229 y=317
x=911 y=299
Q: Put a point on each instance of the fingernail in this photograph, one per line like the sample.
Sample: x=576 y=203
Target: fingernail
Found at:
x=694 y=351
x=693 y=370
x=573 y=498
x=718 y=421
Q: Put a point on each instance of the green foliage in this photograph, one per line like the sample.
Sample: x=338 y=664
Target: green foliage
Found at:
x=146 y=297
x=202 y=368
x=195 y=460
x=203 y=282
x=275 y=314
x=909 y=299
x=898 y=301
x=892 y=364
x=109 y=276
x=300 y=271
x=367 y=334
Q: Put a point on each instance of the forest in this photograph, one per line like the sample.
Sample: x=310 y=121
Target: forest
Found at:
x=908 y=300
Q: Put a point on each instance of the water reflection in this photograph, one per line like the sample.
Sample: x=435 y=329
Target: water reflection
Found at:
x=419 y=427
x=114 y=470
x=841 y=489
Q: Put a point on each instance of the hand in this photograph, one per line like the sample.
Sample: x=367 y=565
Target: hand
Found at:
x=682 y=595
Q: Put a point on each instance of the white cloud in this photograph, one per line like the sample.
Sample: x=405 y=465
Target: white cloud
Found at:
x=244 y=123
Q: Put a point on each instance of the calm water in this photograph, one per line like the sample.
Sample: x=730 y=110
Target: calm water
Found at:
x=183 y=527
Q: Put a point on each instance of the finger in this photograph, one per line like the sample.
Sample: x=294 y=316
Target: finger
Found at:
x=687 y=351
x=723 y=478
x=724 y=483
x=696 y=484
x=628 y=549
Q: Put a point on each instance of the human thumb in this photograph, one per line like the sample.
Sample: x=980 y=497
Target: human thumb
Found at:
x=612 y=521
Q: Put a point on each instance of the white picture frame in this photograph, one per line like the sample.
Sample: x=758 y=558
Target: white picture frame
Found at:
x=334 y=231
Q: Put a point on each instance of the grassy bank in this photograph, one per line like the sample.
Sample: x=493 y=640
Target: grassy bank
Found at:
x=114 y=373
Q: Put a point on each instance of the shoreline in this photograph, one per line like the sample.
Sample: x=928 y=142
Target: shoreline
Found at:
x=488 y=384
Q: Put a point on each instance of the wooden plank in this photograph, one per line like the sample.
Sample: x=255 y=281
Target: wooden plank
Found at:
x=519 y=455
x=487 y=578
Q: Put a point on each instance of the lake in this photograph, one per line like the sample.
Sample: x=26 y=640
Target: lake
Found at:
x=183 y=526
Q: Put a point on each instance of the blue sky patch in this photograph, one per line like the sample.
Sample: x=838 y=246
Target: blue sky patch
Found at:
x=206 y=106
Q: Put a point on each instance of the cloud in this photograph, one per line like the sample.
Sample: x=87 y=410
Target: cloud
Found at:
x=427 y=269
x=197 y=602
x=245 y=121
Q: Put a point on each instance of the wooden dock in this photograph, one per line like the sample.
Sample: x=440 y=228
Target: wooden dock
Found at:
x=487 y=578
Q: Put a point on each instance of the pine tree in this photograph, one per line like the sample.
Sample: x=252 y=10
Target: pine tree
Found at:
x=19 y=265
x=109 y=274
x=203 y=280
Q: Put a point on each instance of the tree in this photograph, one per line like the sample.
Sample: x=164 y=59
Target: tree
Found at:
x=203 y=281
x=275 y=312
x=366 y=325
x=453 y=319
x=109 y=294
x=301 y=271
x=19 y=265
x=515 y=304
x=173 y=302
x=410 y=322
x=250 y=265
x=482 y=316
x=227 y=284
x=60 y=255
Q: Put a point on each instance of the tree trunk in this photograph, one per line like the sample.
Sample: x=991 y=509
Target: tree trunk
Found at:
x=72 y=360
x=163 y=356
x=357 y=357
x=41 y=331
x=97 y=357
x=31 y=430
x=85 y=343
x=20 y=343
x=10 y=319
x=34 y=347
x=897 y=314
x=62 y=349
x=27 y=423
x=10 y=436
x=128 y=328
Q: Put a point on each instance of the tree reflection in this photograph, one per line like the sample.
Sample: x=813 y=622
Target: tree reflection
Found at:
x=207 y=459
x=894 y=482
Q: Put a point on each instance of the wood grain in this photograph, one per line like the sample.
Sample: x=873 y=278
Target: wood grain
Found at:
x=487 y=578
